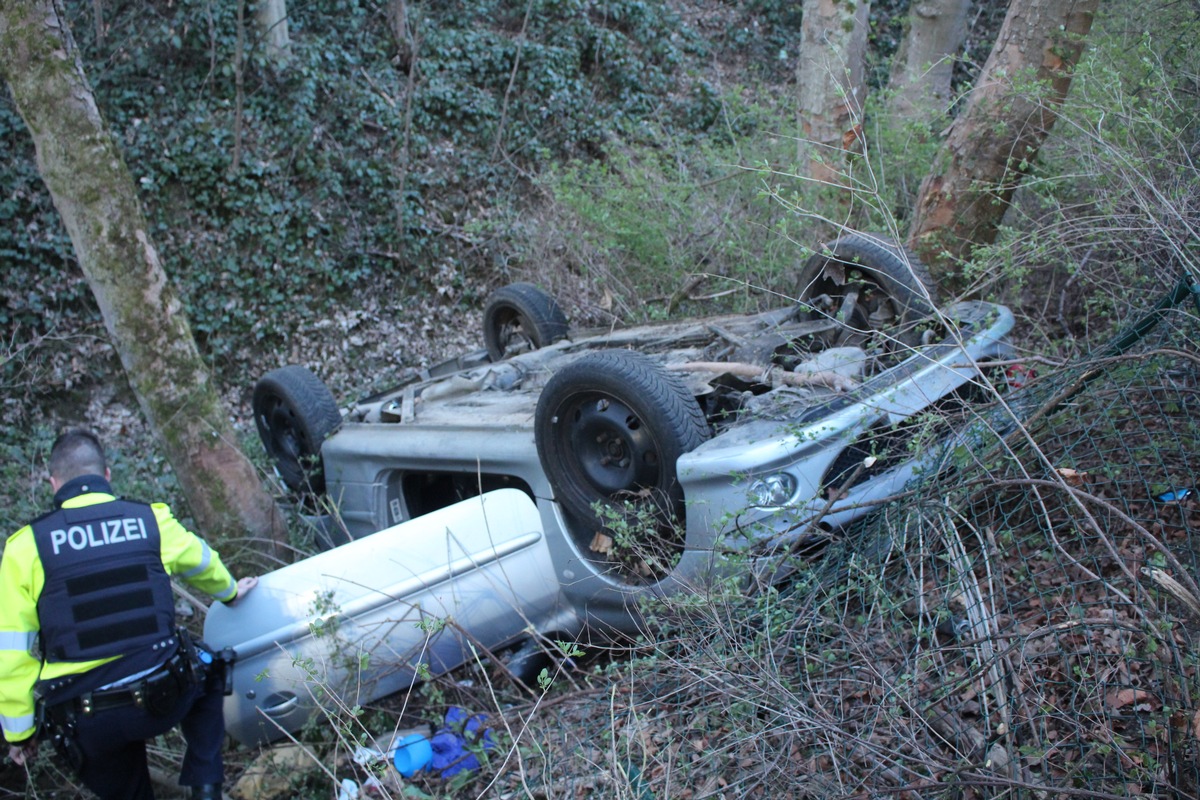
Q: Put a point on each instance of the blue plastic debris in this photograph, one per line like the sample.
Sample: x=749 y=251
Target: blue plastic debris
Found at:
x=1175 y=496
x=453 y=743
x=412 y=753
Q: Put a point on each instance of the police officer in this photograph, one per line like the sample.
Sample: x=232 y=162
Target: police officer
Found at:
x=87 y=622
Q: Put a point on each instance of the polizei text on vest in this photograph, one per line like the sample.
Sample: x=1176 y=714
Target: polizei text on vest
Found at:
x=98 y=534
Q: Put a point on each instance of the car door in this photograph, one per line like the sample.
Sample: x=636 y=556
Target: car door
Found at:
x=360 y=621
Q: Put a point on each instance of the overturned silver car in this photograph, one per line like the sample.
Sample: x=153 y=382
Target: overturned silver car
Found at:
x=545 y=484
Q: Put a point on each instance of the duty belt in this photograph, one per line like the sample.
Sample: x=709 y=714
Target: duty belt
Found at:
x=175 y=670
x=117 y=697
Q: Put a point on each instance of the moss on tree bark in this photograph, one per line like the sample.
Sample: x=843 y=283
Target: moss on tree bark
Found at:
x=990 y=145
x=831 y=74
x=95 y=195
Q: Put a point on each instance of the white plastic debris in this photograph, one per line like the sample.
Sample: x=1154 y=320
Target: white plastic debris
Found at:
x=366 y=755
x=849 y=362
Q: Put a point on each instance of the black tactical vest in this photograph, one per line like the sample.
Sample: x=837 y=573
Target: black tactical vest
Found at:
x=106 y=592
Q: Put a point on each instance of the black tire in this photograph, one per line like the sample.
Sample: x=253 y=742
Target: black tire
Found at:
x=295 y=412
x=521 y=317
x=609 y=428
x=893 y=287
x=526 y=660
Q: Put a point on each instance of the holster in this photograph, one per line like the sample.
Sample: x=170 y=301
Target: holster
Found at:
x=214 y=667
x=57 y=724
x=226 y=658
x=165 y=687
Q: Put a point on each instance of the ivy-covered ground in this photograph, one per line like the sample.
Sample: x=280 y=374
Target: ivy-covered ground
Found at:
x=368 y=183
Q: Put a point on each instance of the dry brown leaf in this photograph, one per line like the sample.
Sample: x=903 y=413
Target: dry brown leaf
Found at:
x=1196 y=724
x=269 y=775
x=1126 y=697
x=852 y=140
x=1072 y=477
x=601 y=543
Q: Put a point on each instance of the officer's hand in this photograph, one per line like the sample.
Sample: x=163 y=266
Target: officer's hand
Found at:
x=244 y=586
x=23 y=751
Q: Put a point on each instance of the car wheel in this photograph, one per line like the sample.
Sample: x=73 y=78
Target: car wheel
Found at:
x=295 y=412
x=868 y=283
x=521 y=317
x=609 y=428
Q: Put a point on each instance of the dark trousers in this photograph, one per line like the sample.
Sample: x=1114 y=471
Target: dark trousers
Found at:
x=113 y=745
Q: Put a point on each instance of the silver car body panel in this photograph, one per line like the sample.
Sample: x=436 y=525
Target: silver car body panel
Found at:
x=516 y=563
x=806 y=448
x=480 y=421
x=362 y=620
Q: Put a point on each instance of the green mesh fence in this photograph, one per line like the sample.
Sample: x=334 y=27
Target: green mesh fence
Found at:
x=1016 y=626
x=1007 y=629
x=1071 y=665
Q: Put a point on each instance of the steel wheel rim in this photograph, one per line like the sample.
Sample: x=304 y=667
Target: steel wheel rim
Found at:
x=608 y=446
x=512 y=331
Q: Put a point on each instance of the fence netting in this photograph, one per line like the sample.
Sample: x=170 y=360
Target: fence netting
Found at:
x=1016 y=626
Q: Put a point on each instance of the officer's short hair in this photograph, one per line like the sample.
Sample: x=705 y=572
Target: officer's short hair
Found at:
x=77 y=451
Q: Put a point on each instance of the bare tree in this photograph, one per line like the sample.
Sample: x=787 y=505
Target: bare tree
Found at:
x=831 y=74
x=95 y=196
x=991 y=144
x=272 y=17
x=397 y=16
x=924 y=65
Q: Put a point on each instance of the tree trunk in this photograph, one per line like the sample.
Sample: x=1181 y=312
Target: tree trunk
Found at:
x=95 y=196
x=924 y=65
x=831 y=73
x=1008 y=115
x=98 y=20
x=397 y=16
x=273 y=22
